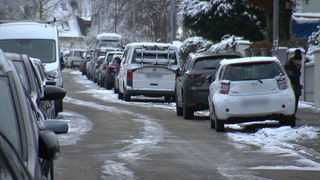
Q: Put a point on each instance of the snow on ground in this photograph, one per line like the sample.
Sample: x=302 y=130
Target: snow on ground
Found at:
x=268 y=140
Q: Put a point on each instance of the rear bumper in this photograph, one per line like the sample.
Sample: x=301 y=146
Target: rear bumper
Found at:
x=150 y=93
x=230 y=107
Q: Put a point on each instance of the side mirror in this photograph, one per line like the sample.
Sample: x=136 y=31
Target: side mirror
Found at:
x=57 y=126
x=49 y=147
x=53 y=93
x=178 y=72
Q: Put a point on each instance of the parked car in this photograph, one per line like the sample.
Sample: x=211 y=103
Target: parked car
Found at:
x=37 y=147
x=47 y=106
x=91 y=65
x=104 y=72
x=75 y=57
x=96 y=70
x=148 y=69
x=38 y=40
x=250 y=89
x=111 y=72
x=83 y=64
x=191 y=86
x=32 y=82
x=38 y=89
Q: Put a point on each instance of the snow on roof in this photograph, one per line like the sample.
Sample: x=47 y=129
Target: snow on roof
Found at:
x=250 y=59
x=72 y=31
x=306 y=17
x=139 y=44
x=108 y=36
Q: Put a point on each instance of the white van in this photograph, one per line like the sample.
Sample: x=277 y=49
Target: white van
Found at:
x=109 y=41
x=38 y=40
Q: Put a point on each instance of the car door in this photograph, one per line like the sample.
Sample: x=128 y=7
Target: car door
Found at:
x=180 y=80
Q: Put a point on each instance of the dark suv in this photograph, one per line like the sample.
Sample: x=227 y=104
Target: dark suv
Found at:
x=37 y=147
x=192 y=89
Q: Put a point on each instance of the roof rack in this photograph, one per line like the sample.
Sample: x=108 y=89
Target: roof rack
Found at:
x=30 y=20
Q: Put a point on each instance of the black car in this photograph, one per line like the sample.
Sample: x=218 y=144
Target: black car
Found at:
x=192 y=89
x=36 y=146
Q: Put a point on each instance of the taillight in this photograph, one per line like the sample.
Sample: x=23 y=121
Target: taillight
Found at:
x=104 y=67
x=193 y=76
x=129 y=77
x=282 y=82
x=113 y=66
x=224 y=87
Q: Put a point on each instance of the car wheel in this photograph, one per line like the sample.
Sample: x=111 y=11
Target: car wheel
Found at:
x=188 y=112
x=98 y=81
x=102 y=82
x=120 y=95
x=115 y=90
x=211 y=117
x=219 y=125
x=179 y=110
x=212 y=123
x=126 y=97
x=290 y=120
x=109 y=85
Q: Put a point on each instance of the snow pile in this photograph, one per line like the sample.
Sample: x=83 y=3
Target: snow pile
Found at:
x=227 y=42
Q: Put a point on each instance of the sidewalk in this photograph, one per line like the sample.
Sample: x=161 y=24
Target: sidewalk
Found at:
x=308 y=114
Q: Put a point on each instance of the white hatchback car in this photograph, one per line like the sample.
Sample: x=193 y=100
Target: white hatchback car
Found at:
x=250 y=89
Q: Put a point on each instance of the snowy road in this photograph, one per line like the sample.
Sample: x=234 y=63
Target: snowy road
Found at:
x=155 y=135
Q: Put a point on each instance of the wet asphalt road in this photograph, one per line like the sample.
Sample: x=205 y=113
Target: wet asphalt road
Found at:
x=142 y=143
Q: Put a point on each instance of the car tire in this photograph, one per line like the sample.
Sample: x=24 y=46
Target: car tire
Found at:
x=126 y=97
x=115 y=90
x=109 y=85
x=289 y=120
x=219 y=124
x=102 y=83
x=179 y=110
x=120 y=95
x=212 y=123
x=188 y=112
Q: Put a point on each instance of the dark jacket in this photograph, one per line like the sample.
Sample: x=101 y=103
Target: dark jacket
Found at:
x=294 y=75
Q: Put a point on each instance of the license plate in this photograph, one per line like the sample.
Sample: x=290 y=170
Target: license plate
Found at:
x=254 y=102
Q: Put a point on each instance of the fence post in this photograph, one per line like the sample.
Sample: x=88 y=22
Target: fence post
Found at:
x=316 y=77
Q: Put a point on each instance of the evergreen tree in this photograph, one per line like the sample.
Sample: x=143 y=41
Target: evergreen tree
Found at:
x=212 y=19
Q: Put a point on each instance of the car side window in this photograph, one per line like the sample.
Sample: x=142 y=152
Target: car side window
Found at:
x=8 y=118
x=124 y=57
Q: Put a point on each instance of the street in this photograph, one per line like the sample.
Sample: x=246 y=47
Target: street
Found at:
x=145 y=139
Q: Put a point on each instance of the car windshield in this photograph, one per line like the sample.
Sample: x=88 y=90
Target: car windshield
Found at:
x=43 y=49
x=110 y=43
x=8 y=117
x=252 y=71
x=79 y=53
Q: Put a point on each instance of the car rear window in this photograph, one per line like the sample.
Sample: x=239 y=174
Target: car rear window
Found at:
x=209 y=62
x=251 y=71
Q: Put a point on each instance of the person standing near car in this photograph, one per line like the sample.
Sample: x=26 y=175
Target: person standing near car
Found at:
x=293 y=70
